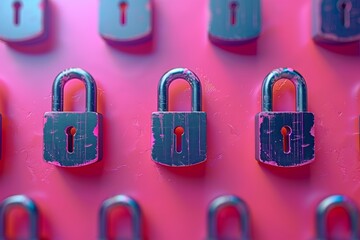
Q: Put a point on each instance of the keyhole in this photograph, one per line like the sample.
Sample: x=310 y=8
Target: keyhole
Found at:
x=345 y=8
x=179 y=132
x=123 y=8
x=17 y=6
x=286 y=132
x=70 y=133
x=233 y=10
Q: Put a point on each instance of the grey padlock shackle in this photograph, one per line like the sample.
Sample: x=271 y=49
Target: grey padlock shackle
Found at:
x=123 y=201
x=325 y=207
x=27 y=204
x=63 y=78
x=223 y=201
x=295 y=78
x=176 y=73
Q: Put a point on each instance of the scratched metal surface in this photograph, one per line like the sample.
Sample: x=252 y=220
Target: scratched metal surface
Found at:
x=282 y=202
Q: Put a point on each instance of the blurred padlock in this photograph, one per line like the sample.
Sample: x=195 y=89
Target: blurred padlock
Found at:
x=125 y=20
x=27 y=204
x=23 y=21
x=120 y=201
x=73 y=139
x=284 y=139
x=179 y=138
x=234 y=21
x=228 y=201
x=336 y=21
x=326 y=206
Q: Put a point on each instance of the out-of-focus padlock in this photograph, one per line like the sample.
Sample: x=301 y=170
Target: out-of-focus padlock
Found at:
x=73 y=139
x=125 y=20
x=326 y=206
x=23 y=21
x=28 y=205
x=284 y=139
x=224 y=201
x=336 y=21
x=234 y=21
x=179 y=138
x=120 y=201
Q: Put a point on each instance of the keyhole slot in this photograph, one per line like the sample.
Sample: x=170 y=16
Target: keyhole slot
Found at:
x=179 y=132
x=17 y=6
x=123 y=12
x=286 y=132
x=233 y=10
x=70 y=133
x=345 y=8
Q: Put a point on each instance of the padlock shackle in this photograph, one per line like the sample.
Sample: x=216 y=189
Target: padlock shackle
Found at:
x=120 y=201
x=327 y=205
x=295 y=78
x=25 y=203
x=63 y=78
x=223 y=201
x=166 y=80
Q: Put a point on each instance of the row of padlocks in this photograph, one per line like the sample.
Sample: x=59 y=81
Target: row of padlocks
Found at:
x=214 y=207
x=73 y=139
x=232 y=21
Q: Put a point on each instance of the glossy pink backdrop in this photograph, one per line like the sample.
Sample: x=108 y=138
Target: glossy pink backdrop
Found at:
x=282 y=202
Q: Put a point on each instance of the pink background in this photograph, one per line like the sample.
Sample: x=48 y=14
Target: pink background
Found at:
x=282 y=202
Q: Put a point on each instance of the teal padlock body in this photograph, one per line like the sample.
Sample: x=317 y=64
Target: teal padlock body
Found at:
x=234 y=21
x=336 y=21
x=23 y=21
x=86 y=142
x=193 y=140
x=125 y=20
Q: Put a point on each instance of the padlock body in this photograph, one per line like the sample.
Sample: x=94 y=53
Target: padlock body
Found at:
x=87 y=141
x=129 y=23
x=25 y=23
x=234 y=21
x=270 y=139
x=336 y=21
x=193 y=141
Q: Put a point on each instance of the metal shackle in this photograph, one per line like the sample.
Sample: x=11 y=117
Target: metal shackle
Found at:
x=63 y=78
x=295 y=78
x=23 y=202
x=325 y=207
x=166 y=80
x=224 y=201
x=120 y=201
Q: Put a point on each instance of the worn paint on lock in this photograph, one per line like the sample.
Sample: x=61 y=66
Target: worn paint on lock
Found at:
x=272 y=146
x=73 y=139
x=234 y=21
x=336 y=21
x=125 y=20
x=165 y=145
x=23 y=21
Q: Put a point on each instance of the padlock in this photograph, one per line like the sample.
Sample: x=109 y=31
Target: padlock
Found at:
x=228 y=201
x=326 y=206
x=23 y=21
x=284 y=139
x=234 y=21
x=73 y=139
x=121 y=201
x=27 y=204
x=336 y=21
x=125 y=20
x=179 y=138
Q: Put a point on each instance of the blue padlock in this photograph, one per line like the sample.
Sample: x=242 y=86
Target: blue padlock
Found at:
x=125 y=21
x=284 y=139
x=23 y=21
x=336 y=21
x=234 y=21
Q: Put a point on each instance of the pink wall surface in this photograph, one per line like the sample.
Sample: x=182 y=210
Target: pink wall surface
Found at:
x=282 y=202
